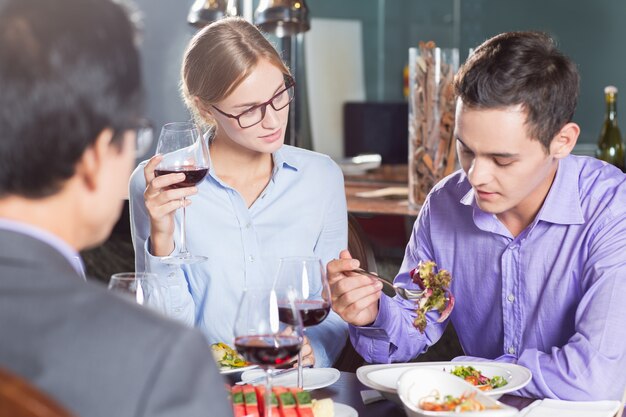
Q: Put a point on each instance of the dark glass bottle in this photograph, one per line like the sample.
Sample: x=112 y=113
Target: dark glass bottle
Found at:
x=610 y=143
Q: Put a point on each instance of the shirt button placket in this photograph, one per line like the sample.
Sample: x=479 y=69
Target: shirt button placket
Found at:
x=515 y=307
x=510 y=281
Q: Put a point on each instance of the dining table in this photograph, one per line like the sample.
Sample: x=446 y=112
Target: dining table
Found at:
x=347 y=390
x=366 y=192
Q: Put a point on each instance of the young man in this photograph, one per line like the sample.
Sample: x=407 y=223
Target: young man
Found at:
x=70 y=89
x=534 y=238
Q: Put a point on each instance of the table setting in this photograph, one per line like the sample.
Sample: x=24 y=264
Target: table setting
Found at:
x=276 y=317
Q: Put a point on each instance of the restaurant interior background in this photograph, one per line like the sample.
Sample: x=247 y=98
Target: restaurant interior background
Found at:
x=591 y=33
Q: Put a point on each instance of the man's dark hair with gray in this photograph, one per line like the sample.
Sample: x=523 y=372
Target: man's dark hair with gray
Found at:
x=68 y=70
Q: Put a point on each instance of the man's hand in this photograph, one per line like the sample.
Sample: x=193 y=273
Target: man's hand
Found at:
x=354 y=296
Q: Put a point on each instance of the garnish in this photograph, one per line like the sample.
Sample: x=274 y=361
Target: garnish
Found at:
x=437 y=295
x=475 y=377
x=227 y=357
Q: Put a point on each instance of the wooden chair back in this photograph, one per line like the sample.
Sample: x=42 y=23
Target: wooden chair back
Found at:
x=359 y=245
x=19 y=398
x=360 y=248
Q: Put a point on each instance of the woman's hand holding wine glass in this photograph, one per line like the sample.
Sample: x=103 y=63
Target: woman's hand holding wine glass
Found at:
x=181 y=162
x=262 y=338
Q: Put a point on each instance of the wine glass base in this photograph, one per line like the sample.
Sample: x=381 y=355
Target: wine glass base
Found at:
x=183 y=260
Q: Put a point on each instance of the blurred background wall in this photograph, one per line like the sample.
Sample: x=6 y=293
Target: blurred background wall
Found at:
x=591 y=33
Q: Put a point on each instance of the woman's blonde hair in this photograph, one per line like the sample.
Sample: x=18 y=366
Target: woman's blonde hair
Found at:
x=218 y=59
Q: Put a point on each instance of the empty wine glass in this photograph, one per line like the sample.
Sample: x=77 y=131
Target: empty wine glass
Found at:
x=184 y=150
x=139 y=287
x=305 y=279
x=262 y=338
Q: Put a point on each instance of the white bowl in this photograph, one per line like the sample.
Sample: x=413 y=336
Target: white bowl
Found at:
x=418 y=383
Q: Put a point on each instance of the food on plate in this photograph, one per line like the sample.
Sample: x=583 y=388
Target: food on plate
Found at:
x=249 y=400
x=323 y=408
x=437 y=295
x=437 y=402
x=475 y=377
x=227 y=357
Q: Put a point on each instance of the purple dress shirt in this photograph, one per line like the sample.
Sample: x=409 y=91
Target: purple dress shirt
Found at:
x=552 y=299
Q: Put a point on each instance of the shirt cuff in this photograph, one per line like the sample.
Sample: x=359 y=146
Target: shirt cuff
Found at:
x=165 y=272
x=373 y=342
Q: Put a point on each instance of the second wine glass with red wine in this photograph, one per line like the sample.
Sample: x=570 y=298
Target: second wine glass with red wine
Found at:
x=184 y=150
x=262 y=339
x=304 y=279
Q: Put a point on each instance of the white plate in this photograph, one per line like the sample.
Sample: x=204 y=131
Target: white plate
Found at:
x=359 y=164
x=342 y=410
x=384 y=377
x=314 y=378
x=228 y=370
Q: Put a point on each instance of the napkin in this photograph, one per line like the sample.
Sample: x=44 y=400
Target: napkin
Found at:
x=552 y=408
x=371 y=396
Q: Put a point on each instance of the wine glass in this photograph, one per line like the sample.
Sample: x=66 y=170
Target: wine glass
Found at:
x=304 y=278
x=262 y=338
x=184 y=150
x=139 y=287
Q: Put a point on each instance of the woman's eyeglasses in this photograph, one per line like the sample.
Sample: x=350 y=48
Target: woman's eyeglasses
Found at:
x=254 y=115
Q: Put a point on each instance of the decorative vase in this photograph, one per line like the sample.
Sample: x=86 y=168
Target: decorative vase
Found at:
x=432 y=150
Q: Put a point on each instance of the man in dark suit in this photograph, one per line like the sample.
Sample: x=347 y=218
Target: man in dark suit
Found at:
x=70 y=89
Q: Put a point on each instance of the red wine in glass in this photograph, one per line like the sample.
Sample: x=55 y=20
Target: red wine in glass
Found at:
x=312 y=312
x=193 y=175
x=183 y=148
x=267 y=350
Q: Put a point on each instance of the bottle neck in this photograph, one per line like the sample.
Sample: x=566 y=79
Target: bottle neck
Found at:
x=611 y=108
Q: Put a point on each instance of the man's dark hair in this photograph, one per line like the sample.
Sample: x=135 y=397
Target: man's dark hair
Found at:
x=68 y=70
x=522 y=68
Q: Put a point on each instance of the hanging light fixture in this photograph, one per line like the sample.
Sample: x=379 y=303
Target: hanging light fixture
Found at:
x=282 y=17
x=203 y=12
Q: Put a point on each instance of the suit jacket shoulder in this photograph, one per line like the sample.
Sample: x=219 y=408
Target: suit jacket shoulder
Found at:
x=99 y=355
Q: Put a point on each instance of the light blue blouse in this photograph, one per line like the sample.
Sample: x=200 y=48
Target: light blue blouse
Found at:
x=302 y=212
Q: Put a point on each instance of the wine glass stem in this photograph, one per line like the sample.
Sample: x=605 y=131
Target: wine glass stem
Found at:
x=183 y=241
x=300 y=373
x=268 y=393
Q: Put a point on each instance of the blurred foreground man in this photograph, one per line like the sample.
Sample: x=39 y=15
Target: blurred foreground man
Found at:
x=534 y=238
x=70 y=92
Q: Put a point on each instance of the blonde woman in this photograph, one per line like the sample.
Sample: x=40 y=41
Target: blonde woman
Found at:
x=261 y=200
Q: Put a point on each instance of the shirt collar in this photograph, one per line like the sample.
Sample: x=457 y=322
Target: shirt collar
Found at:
x=562 y=205
x=57 y=243
x=285 y=157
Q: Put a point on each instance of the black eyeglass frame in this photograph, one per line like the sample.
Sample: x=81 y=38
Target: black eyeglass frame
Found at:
x=289 y=83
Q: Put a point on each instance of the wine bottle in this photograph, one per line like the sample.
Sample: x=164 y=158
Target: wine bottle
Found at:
x=610 y=143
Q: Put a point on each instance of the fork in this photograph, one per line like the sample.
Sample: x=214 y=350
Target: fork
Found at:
x=401 y=291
